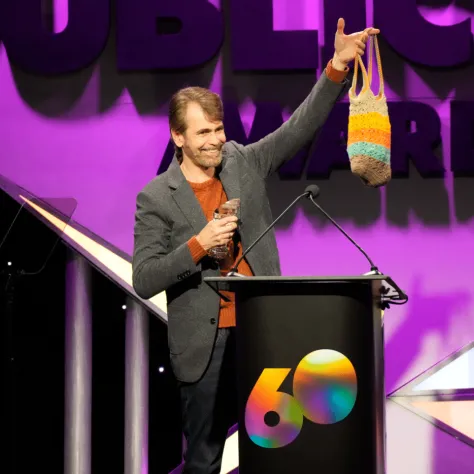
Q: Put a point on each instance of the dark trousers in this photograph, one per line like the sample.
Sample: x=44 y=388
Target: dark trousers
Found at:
x=209 y=408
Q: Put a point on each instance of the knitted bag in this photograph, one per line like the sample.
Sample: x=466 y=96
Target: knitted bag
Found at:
x=369 y=134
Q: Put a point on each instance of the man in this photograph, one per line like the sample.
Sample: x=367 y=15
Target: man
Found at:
x=175 y=230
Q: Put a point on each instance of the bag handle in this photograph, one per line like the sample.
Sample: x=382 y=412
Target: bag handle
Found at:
x=367 y=77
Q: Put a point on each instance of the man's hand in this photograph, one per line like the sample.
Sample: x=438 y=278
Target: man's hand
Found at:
x=217 y=232
x=346 y=47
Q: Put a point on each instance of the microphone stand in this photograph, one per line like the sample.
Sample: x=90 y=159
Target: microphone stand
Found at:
x=373 y=268
x=402 y=297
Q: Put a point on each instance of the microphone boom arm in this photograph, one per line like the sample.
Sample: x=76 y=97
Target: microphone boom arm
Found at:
x=373 y=267
x=402 y=297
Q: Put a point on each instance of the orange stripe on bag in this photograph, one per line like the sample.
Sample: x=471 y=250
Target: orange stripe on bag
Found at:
x=378 y=137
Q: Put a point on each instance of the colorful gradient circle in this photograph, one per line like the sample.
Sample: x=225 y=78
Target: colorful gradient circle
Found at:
x=325 y=385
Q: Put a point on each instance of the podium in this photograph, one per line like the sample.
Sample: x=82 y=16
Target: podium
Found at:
x=310 y=373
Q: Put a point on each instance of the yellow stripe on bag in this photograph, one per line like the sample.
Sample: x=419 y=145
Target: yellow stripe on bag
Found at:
x=369 y=120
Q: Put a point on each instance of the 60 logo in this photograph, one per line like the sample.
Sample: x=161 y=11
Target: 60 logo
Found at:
x=325 y=391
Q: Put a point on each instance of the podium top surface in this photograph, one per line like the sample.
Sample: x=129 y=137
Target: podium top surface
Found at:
x=396 y=295
x=296 y=279
x=221 y=283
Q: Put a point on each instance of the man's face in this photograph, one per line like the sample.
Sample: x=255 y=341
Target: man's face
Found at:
x=203 y=140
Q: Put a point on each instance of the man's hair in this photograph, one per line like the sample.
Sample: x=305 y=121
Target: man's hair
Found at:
x=210 y=103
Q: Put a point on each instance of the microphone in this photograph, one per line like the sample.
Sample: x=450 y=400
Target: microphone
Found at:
x=313 y=192
x=233 y=270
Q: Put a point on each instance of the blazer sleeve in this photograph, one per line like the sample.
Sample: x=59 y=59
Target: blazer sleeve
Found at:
x=154 y=268
x=271 y=152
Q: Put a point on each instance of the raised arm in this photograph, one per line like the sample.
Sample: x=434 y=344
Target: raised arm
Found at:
x=272 y=151
x=269 y=153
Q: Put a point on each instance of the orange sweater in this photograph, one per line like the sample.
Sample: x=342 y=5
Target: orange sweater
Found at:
x=211 y=195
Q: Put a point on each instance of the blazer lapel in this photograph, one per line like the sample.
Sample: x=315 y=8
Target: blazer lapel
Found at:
x=185 y=198
x=184 y=195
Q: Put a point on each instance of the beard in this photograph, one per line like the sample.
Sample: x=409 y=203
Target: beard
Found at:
x=209 y=157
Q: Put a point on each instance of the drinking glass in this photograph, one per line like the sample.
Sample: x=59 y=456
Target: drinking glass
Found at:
x=229 y=208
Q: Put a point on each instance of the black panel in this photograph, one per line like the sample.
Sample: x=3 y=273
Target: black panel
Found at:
x=278 y=325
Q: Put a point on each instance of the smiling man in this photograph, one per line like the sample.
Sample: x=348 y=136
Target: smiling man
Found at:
x=175 y=231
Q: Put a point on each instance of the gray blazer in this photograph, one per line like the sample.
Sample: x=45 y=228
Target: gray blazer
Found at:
x=168 y=215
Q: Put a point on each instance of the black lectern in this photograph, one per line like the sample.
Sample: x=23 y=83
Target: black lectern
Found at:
x=310 y=368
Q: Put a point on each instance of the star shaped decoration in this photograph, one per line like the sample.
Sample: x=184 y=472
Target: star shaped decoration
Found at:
x=444 y=394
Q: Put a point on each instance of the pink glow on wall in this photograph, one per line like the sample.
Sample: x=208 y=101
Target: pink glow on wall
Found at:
x=60 y=15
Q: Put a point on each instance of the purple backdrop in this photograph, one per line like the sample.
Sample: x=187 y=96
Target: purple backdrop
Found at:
x=99 y=135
